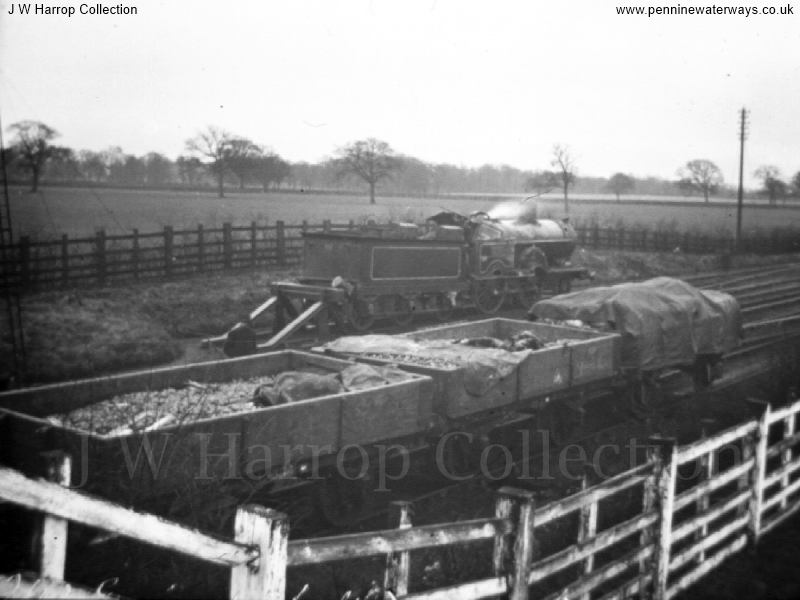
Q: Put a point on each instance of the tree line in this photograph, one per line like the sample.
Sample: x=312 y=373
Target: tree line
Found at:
x=223 y=160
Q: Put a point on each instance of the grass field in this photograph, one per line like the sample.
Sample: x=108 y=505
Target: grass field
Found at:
x=54 y=211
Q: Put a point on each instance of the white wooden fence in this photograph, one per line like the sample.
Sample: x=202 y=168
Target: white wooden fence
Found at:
x=700 y=503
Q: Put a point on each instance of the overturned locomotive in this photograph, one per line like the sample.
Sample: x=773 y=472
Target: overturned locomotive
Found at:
x=354 y=277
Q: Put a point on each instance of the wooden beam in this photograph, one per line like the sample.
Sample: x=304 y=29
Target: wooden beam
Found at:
x=523 y=548
x=490 y=587
x=398 y=564
x=691 y=495
x=293 y=326
x=53 y=538
x=699 y=448
x=263 y=578
x=665 y=454
x=600 y=491
x=17 y=586
x=360 y=545
x=82 y=508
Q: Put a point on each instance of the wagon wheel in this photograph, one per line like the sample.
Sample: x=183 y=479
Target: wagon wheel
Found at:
x=559 y=424
x=529 y=292
x=342 y=501
x=490 y=293
x=402 y=310
x=443 y=307
x=359 y=314
x=461 y=458
x=564 y=286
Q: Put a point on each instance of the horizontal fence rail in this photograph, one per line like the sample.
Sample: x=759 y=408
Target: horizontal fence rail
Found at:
x=103 y=258
x=651 y=531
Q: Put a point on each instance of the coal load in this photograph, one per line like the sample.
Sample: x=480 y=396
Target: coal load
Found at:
x=154 y=409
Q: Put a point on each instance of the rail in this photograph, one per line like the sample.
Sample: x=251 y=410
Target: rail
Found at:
x=655 y=529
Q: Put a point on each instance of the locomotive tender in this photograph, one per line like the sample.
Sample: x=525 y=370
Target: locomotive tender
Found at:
x=395 y=271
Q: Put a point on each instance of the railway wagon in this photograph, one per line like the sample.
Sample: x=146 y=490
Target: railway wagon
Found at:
x=174 y=450
x=397 y=271
x=470 y=381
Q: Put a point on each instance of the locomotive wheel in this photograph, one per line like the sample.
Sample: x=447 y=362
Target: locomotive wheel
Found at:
x=402 y=310
x=529 y=292
x=489 y=294
x=443 y=307
x=359 y=315
x=342 y=501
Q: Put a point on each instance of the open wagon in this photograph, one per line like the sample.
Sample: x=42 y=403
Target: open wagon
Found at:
x=152 y=453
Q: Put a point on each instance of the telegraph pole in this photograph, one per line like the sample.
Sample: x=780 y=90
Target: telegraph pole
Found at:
x=740 y=197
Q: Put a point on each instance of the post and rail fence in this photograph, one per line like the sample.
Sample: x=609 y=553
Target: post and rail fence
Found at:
x=652 y=531
x=103 y=259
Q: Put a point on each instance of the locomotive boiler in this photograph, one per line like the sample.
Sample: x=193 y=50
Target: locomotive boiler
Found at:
x=354 y=277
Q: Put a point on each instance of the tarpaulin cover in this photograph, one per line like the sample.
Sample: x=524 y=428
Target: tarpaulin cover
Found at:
x=663 y=321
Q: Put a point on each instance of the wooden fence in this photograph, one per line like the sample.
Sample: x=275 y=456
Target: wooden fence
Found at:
x=698 y=504
x=169 y=253
x=643 y=239
x=103 y=258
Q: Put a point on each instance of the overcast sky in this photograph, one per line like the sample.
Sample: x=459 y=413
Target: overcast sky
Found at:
x=463 y=82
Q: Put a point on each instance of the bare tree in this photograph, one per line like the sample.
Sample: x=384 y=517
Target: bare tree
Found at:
x=619 y=184
x=796 y=184
x=269 y=169
x=371 y=160
x=32 y=147
x=542 y=182
x=213 y=145
x=770 y=177
x=189 y=168
x=241 y=158
x=563 y=159
x=702 y=175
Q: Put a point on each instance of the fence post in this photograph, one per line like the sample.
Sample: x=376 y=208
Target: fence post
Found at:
x=201 y=249
x=25 y=260
x=398 y=565
x=64 y=260
x=253 y=243
x=100 y=243
x=53 y=539
x=227 y=246
x=664 y=453
x=523 y=545
x=587 y=523
x=760 y=442
x=265 y=577
x=503 y=509
x=135 y=254
x=708 y=467
x=168 y=239
x=786 y=455
x=280 y=241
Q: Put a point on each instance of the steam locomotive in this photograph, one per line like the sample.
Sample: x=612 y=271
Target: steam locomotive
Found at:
x=355 y=277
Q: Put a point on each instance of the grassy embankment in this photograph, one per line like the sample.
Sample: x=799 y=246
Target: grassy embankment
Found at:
x=82 y=333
